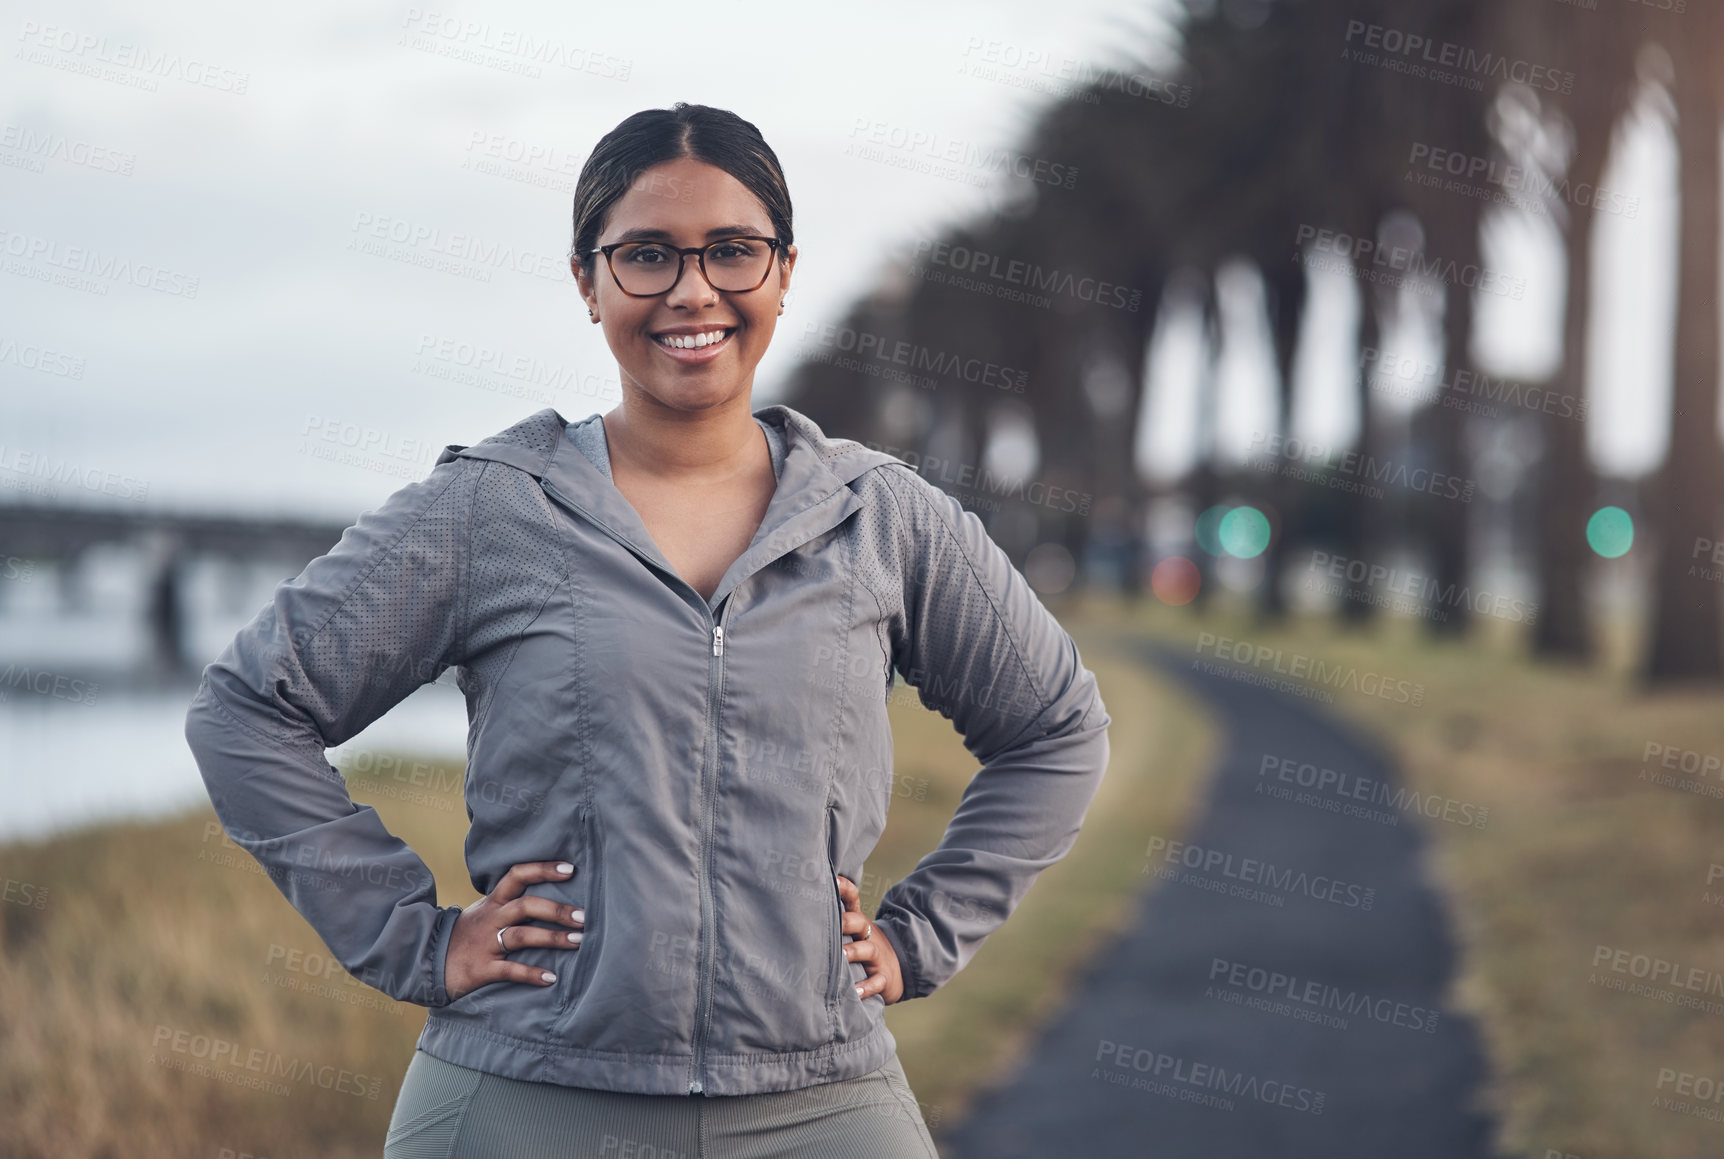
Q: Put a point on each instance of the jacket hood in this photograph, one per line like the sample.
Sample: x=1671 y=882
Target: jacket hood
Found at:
x=813 y=493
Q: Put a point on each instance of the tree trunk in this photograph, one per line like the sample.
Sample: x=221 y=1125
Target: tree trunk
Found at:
x=1684 y=642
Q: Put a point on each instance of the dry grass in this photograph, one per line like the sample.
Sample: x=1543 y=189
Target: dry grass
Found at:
x=154 y=930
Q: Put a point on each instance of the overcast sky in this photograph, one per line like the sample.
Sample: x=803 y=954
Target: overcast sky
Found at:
x=239 y=154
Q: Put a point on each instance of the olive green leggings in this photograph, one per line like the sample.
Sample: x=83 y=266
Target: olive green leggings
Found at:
x=446 y=1111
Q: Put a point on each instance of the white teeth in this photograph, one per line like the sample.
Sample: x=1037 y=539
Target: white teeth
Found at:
x=692 y=341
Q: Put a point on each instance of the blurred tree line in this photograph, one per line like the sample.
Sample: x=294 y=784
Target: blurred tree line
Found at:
x=1290 y=132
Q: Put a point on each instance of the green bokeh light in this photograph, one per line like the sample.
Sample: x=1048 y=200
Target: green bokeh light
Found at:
x=1610 y=532
x=1244 y=532
x=1207 y=532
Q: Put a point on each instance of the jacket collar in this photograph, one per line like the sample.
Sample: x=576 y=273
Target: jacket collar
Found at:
x=812 y=497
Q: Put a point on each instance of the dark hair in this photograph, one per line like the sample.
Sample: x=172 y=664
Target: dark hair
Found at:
x=653 y=136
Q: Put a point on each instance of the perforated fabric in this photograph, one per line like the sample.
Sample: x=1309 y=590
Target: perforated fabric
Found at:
x=340 y=644
x=515 y=567
x=966 y=631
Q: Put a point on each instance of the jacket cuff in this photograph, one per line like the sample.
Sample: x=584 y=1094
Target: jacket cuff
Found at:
x=908 y=969
x=435 y=989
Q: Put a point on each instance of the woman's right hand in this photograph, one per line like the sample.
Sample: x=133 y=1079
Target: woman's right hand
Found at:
x=474 y=957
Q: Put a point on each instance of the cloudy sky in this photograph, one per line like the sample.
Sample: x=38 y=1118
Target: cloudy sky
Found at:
x=298 y=194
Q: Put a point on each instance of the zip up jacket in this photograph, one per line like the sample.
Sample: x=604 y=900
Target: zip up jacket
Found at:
x=708 y=766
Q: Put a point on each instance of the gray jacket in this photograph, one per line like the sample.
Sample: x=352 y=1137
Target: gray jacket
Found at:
x=707 y=766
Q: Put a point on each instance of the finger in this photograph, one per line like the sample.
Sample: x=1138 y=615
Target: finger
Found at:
x=520 y=937
x=851 y=895
x=865 y=952
x=520 y=876
x=855 y=922
x=873 y=984
x=531 y=907
x=501 y=970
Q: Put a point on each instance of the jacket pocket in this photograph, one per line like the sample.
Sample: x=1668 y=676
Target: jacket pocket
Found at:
x=838 y=964
x=589 y=873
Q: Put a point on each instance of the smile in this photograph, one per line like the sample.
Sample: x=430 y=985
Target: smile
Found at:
x=705 y=340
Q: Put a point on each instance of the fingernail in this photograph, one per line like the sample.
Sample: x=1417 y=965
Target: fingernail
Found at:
x=565 y=867
x=548 y=976
x=575 y=936
x=858 y=990
x=578 y=914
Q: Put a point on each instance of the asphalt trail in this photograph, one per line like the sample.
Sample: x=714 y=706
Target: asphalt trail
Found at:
x=1163 y=1015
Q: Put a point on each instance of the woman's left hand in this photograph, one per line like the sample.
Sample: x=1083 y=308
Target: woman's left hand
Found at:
x=871 y=948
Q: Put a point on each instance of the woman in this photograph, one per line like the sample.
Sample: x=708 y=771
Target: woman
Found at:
x=676 y=626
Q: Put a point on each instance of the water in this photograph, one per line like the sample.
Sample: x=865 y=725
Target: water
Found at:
x=81 y=741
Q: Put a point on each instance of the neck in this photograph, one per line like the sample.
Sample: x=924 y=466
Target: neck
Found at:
x=705 y=446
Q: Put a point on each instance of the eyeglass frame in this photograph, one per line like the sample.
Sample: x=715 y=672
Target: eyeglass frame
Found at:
x=682 y=261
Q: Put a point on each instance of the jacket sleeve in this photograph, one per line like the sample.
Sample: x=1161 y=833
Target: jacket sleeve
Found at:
x=338 y=646
x=982 y=650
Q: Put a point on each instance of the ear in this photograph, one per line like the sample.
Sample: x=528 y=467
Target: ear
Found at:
x=589 y=293
x=784 y=272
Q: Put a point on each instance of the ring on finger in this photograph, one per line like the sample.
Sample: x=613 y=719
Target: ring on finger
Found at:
x=500 y=944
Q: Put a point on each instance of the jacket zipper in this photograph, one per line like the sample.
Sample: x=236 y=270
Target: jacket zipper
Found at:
x=715 y=695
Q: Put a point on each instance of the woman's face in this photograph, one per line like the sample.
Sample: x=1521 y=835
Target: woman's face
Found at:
x=686 y=203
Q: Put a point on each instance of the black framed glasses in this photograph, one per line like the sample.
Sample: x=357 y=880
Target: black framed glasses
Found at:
x=646 y=269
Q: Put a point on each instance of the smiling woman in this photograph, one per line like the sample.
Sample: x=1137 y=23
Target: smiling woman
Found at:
x=676 y=626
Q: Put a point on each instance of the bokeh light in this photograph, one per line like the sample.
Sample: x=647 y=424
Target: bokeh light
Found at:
x=1244 y=532
x=1610 y=532
x=1175 y=580
x=1207 y=532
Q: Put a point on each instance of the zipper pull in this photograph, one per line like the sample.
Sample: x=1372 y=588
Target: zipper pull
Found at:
x=694 y=1088
x=717 y=640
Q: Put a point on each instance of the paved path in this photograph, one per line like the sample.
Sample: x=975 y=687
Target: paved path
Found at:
x=1163 y=1013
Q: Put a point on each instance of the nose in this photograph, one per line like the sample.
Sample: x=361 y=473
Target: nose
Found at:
x=691 y=285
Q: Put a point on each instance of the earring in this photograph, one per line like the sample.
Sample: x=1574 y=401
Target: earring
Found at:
x=593 y=314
